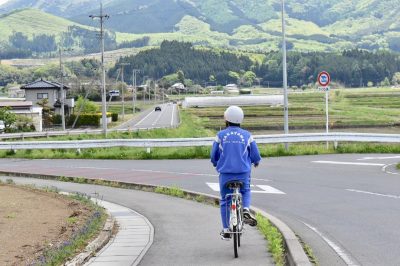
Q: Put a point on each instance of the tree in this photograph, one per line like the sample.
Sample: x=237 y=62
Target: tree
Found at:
x=47 y=113
x=87 y=106
x=8 y=117
x=385 y=82
x=396 y=78
x=181 y=76
x=248 y=78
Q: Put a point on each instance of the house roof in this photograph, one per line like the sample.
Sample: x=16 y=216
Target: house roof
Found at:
x=16 y=104
x=44 y=84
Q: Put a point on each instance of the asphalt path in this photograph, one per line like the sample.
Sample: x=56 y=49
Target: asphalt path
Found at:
x=167 y=117
x=186 y=232
x=346 y=207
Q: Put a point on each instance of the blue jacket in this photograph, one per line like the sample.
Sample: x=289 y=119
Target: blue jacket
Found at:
x=234 y=150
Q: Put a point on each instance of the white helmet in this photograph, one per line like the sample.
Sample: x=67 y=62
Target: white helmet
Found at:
x=234 y=114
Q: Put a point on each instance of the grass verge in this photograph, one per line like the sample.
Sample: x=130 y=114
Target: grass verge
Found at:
x=270 y=150
x=80 y=239
x=274 y=237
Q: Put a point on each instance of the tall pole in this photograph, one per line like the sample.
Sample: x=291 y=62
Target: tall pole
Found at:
x=123 y=93
x=62 y=92
x=102 y=17
x=134 y=78
x=285 y=85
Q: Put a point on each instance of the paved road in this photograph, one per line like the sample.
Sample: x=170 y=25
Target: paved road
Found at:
x=186 y=232
x=344 y=206
x=167 y=117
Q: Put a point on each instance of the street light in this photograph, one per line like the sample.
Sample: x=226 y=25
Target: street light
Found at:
x=285 y=86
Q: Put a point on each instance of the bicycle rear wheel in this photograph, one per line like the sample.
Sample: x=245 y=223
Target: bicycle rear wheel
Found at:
x=235 y=241
x=239 y=226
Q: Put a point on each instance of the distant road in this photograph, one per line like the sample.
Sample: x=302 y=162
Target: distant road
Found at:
x=167 y=117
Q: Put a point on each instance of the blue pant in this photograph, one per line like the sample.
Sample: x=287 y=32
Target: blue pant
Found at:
x=226 y=202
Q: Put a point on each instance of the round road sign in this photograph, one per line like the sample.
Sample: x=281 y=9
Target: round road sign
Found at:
x=324 y=79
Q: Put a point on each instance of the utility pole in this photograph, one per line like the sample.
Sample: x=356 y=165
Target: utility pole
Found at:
x=123 y=93
x=134 y=78
x=102 y=17
x=62 y=91
x=285 y=85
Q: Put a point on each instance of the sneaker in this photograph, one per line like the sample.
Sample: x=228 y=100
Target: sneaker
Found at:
x=225 y=234
x=249 y=218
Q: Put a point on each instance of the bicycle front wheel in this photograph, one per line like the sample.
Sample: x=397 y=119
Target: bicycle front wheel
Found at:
x=235 y=241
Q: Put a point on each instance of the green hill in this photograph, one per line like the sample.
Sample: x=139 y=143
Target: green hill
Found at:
x=313 y=25
x=33 y=22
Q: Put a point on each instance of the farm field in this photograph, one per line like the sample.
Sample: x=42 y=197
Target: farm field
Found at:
x=361 y=110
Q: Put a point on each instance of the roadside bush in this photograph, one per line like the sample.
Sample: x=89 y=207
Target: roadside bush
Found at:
x=114 y=117
x=85 y=120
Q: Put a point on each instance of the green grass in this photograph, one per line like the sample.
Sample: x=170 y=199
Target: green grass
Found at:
x=372 y=108
x=172 y=191
x=398 y=166
x=274 y=238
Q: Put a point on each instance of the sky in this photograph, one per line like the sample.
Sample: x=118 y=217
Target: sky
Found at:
x=3 y=1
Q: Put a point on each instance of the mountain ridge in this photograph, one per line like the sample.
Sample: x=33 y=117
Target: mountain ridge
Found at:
x=312 y=24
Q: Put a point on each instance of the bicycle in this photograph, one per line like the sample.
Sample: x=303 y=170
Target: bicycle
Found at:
x=236 y=214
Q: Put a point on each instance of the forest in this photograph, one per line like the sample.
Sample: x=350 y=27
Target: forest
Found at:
x=352 y=68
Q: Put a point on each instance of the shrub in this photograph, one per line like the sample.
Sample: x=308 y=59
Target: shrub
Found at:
x=85 y=120
x=114 y=117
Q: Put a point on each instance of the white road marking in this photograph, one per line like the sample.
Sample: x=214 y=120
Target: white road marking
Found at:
x=384 y=169
x=349 y=163
x=342 y=254
x=374 y=194
x=265 y=189
x=158 y=118
x=270 y=190
x=172 y=118
x=378 y=158
x=143 y=118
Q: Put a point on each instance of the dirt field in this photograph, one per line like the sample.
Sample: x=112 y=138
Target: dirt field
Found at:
x=31 y=221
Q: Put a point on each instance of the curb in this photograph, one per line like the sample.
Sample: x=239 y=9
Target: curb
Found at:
x=295 y=255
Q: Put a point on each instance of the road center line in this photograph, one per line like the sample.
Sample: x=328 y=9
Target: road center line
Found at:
x=349 y=163
x=172 y=118
x=379 y=158
x=342 y=254
x=374 y=194
x=158 y=118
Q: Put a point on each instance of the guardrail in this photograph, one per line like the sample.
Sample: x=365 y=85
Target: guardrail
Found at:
x=71 y=132
x=196 y=142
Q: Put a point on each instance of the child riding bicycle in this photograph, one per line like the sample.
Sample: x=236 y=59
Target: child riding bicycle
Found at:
x=233 y=153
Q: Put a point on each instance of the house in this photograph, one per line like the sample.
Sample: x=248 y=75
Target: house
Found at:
x=25 y=108
x=15 y=92
x=42 y=89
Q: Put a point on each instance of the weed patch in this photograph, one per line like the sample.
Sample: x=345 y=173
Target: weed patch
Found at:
x=274 y=237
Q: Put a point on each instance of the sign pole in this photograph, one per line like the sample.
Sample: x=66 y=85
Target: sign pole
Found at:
x=327 y=116
x=324 y=79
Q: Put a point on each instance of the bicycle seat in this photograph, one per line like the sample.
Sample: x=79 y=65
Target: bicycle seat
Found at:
x=234 y=184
